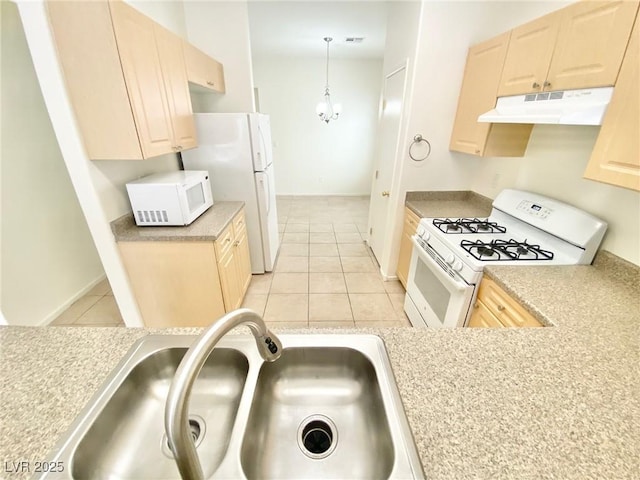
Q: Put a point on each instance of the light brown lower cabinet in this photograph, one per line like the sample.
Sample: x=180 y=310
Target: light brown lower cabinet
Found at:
x=495 y=308
x=411 y=221
x=186 y=283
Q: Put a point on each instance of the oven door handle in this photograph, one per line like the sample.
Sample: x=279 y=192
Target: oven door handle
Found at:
x=459 y=285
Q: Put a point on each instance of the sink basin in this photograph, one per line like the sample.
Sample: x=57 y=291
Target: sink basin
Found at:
x=126 y=440
x=336 y=394
x=328 y=407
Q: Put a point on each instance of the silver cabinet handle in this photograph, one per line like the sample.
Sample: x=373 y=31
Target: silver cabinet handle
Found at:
x=385 y=194
x=547 y=84
x=535 y=85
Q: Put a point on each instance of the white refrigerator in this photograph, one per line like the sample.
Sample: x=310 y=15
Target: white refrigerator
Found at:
x=236 y=150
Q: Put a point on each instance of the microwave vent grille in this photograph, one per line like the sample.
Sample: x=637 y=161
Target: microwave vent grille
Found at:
x=152 y=216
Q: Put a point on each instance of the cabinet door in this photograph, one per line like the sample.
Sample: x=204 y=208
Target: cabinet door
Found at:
x=478 y=95
x=203 y=70
x=176 y=284
x=406 y=245
x=229 y=280
x=174 y=73
x=616 y=155
x=508 y=312
x=529 y=56
x=483 y=318
x=591 y=44
x=243 y=263
x=86 y=48
x=143 y=76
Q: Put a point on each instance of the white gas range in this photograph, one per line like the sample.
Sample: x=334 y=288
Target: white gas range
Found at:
x=523 y=229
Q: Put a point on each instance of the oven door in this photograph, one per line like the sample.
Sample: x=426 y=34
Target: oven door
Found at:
x=440 y=300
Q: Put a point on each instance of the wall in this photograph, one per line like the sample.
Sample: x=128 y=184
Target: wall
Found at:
x=99 y=186
x=310 y=156
x=554 y=163
x=447 y=29
x=221 y=30
x=48 y=256
x=402 y=33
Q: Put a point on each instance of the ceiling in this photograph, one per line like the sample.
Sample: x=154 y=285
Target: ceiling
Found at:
x=297 y=28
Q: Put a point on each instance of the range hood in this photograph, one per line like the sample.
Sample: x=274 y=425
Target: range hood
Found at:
x=568 y=107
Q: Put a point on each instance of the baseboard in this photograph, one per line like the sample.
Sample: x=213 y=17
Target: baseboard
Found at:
x=79 y=294
x=368 y=194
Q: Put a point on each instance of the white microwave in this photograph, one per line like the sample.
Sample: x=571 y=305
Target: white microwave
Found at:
x=171 y=198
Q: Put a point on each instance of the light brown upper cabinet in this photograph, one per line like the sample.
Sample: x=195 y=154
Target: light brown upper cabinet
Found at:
x=203 y=70
x=580 y=46
x=126 y=78
x=529 y=55
x=592 y=39
x=616 y=155
x=477 y=95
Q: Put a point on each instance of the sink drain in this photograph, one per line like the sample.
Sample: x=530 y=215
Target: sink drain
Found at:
x=196 y=429
x=317 y=436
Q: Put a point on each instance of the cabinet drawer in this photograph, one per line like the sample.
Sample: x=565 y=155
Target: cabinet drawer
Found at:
x=508 y=312
x=483 y=318
x=411 y=221
x=224 y=242
x=239 y=224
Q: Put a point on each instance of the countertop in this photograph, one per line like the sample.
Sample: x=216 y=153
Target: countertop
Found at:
x=452 y=204
x=207 y=227
x=559 y=402
x=482 y=403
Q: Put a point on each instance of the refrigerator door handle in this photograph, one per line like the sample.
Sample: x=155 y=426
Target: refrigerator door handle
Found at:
x=268 y=193
x=264 y=147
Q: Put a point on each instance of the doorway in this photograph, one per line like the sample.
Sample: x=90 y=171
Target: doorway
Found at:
x=387 y=147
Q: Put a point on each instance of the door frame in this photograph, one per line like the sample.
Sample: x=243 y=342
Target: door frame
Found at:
x=395 y=169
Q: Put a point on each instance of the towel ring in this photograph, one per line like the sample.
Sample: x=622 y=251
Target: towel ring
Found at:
x=418 y=139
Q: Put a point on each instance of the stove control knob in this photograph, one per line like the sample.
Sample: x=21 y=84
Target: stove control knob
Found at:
x=422 y=233
x=457 y=266
x=450 y=259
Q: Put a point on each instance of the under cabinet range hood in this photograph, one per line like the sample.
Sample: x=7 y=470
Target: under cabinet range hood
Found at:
x=567 y=107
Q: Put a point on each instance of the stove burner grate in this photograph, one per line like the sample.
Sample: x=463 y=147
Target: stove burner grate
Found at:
x=503 y=250
x=467 y=225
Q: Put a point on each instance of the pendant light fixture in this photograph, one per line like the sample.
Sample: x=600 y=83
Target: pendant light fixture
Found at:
x=325 y=109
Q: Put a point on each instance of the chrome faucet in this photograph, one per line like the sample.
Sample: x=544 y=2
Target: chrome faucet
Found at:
x=176 y=412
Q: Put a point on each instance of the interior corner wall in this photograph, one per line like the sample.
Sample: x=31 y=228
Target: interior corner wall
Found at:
x=554 y=164
x=221 y=29
x=48 y=256
x=312 y=157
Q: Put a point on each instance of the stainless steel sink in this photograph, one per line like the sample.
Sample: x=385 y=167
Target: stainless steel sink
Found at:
x=316 y=411
x=329 y=408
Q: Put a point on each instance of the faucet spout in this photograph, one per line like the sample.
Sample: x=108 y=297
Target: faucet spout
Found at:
x=176 y=413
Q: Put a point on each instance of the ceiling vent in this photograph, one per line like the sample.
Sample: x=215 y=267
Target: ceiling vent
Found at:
x=354 y=39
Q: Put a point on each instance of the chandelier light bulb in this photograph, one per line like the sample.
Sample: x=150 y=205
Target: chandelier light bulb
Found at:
x=325 y=109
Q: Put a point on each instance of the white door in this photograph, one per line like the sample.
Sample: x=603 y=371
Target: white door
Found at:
x=387 y=147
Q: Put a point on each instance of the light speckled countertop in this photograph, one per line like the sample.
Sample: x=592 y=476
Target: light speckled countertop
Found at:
x=207 y=227
x=454 y=204
x=529 y=403
x=482 y=403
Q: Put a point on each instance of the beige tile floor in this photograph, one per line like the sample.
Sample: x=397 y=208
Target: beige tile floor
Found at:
x=325 y=275
x=97 y=308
